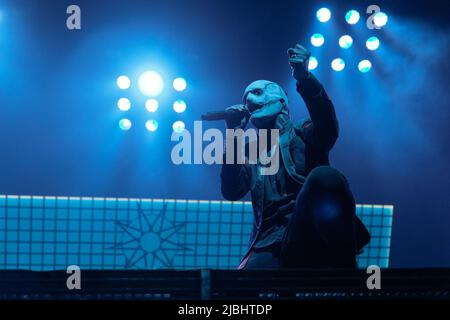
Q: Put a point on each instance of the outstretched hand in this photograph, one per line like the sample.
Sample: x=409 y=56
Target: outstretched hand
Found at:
x=299 y=59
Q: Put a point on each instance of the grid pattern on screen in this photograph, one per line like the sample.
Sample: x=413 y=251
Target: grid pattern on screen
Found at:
x=48 y=233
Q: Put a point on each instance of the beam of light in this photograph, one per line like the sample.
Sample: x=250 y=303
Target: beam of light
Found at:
x=372 y=43
x=380 y=19
x=151 y=83
x=313 y=63
x=179 y=84
x=338 y=64
x=123 y=82
x=365 y=66
x=323 y=15
x=317 y=40
x=178 y=126
x=124 y=104
x=125 y=124
x=352 y=17
x=345 y=41
x=151 y=105
x=151 y=125
x=179 y=106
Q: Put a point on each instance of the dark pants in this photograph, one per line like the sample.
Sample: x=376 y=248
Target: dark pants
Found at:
x=323 y=231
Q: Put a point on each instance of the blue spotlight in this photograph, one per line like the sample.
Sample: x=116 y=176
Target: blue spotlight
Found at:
x=338 y=64
x=352 y=17
x=151 y=105
x=372 y=43
x=178 y=126
x=179 y=106
x=317 y=40
x=123 y=82
x=380 y=19
x=124 y=104
x=313 y=63
x=151 y=125
x=179 y=84
x=323 y=15
x=365 y=66
x=125 y=124
x=345 y=41
x=151 y=83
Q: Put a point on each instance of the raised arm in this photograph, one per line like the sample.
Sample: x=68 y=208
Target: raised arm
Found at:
x=322 y=131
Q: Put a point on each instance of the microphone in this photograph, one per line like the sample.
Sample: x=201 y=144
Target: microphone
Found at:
x=222 y=115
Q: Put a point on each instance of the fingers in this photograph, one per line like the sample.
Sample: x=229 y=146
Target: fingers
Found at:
x=298 y=52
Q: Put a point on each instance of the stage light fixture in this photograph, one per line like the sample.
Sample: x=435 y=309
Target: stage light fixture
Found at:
x=178 y=126
x=352 y=17
x=124 y=104
x=338 y=64
x=317 y=40
x=380 y=19
x=151 y=105
x=125 y=124
x=151 y=125
x=345 y=41
x=179 y=84
x=323 y=15
x=151 y=83
x=365 y=66
x=123 y=82
x=372 y=43
x=179 y=106
x=313 y=63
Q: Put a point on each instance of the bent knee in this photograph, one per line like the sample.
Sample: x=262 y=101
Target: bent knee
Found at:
x=327 y=179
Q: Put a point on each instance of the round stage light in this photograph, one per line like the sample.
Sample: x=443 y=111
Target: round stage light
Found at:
x=123 y=82
x=151 y=83
x=179 y=106
x=338 y=64
x=345 y=41
x=124 y=104
x=313 y=63
x=372 y=43
x=380 y=19
x=179 y=84
x=365 y=66
x=178 y=126
x=352 y=17
x=317 y=40
x=125 y=124
x=151 y=105
x=151 y=125
x=323 y=15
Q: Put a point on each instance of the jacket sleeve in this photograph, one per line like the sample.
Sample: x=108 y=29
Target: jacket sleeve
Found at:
x=235 y=179
x=323 y=130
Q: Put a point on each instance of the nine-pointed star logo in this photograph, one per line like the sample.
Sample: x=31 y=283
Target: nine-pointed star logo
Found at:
x=150 y=241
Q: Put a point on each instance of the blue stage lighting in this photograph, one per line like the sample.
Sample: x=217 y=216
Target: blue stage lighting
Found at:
x=372 y=43
x=179 y=84
x=345 y=41
x=380 y=19
x=313 y=63
x=178 y=126
x=179 y=106
x=323 y=15
x=365 y=66
x=124 y=104
x=352 y=17
x=338 y=64
x=151 y=83
x=123 y=82
x=317 y=40
x=151 y=105
x=151 y=125
x=125 y=124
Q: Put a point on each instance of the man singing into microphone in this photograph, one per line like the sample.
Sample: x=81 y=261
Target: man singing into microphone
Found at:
x=304 y=215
